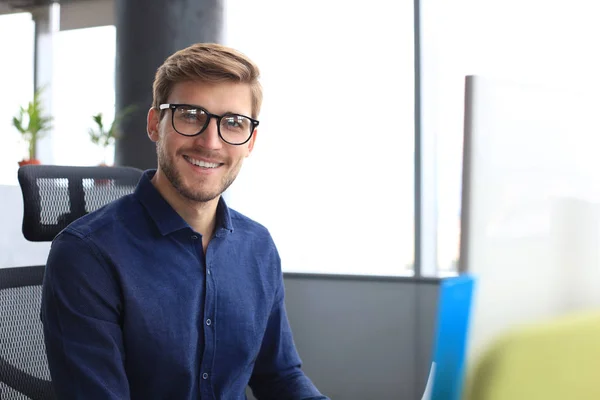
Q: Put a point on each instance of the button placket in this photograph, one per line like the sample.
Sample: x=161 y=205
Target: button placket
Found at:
x=209 y=314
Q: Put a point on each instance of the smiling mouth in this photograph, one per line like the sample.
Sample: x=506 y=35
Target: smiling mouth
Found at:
x=200 y=163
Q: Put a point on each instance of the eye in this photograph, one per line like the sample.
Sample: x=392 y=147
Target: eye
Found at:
x=235 y=122
x=191 y=115
x=232 y=121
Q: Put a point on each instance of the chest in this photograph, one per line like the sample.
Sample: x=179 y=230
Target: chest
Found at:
x=178 y=310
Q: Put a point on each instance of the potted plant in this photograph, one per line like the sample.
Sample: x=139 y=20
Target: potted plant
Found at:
x=32 y=124
x=102 y=136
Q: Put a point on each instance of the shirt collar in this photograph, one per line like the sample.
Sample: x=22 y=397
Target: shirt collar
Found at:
x=165 y=217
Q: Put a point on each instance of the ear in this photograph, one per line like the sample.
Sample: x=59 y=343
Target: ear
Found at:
x=251 y=142
x=152 y=124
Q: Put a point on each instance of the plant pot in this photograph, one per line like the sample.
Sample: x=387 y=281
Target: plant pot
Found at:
x=102 y=182
x=33 y=161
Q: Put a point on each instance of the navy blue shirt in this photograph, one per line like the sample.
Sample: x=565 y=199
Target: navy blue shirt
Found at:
x=133 y=308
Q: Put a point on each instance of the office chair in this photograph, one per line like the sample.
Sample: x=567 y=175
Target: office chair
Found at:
x=53 y=197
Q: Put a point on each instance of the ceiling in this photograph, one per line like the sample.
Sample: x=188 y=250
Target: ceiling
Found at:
x=29 y=4
x=24 y=4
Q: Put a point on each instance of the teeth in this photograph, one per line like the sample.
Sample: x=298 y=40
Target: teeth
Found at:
x=202 y=163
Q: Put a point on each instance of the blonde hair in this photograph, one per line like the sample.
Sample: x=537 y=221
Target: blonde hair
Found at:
x=207 y=62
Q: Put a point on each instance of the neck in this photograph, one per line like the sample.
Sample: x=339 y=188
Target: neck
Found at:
x=201 y=216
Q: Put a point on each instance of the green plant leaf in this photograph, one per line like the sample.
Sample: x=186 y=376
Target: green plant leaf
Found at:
x=104 y=137
x=37 y=122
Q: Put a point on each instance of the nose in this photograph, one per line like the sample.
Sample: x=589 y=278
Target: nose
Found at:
x=210 y=139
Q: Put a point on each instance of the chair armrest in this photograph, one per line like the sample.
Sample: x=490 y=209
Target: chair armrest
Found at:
x=29 y=385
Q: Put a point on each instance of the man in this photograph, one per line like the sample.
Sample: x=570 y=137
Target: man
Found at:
x=167 y=293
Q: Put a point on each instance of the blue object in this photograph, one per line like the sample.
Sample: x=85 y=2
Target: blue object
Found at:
x=454 y=310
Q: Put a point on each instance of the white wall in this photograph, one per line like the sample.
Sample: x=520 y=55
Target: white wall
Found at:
x=15 y=251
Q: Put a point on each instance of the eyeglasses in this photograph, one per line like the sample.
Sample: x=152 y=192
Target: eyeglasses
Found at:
x=191 y=120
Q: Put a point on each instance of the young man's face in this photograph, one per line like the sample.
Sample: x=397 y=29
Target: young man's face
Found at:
x=179 y=156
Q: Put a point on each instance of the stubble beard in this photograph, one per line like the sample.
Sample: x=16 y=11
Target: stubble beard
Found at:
x=167 y=166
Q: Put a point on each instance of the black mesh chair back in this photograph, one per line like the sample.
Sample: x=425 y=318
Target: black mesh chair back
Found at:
x=53 y=196
x=23 y=366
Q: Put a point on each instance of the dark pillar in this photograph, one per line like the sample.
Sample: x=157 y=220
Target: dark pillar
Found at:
x=148 y=31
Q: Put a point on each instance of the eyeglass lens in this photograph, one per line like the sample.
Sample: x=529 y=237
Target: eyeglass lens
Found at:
x=190 y=121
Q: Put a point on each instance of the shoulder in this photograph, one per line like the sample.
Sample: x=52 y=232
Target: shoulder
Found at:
x=245 y=225
x=251 y=236
x=256 y=250
x=84 y=243
x=109 y=217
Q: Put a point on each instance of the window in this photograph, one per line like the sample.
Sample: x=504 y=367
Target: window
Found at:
x=84 y=85
x=16 y=69
x=332 y=174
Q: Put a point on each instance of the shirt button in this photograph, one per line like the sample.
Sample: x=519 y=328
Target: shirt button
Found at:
x=208 y=322
x=205 y=376
x=208 y=271
x=194 y=237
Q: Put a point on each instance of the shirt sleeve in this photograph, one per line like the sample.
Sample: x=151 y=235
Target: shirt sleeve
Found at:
x=81 y=314
x=277 y=373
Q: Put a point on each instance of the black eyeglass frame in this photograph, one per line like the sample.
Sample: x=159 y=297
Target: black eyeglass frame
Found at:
x=174 y=107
